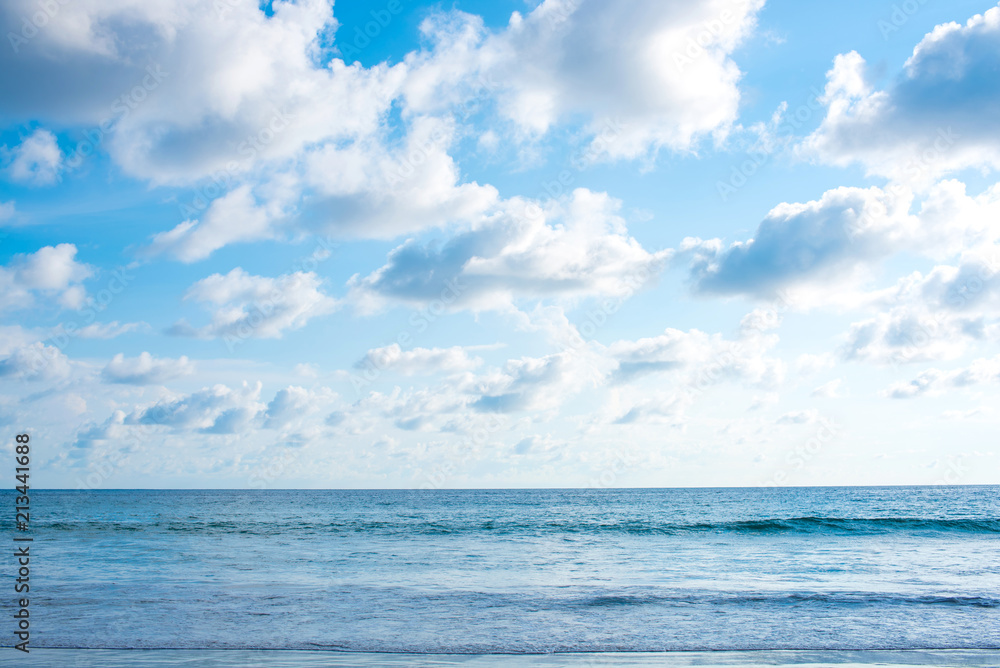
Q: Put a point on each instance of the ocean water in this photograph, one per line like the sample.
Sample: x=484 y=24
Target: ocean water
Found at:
x=516 y=571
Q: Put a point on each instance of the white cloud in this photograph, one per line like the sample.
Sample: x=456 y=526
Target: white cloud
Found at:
x=369 y=189
x=145 y=369
x=663 y=408
x=36 y=160
x=13 y=337
x=935 y=381
x=51 y=271
x=424 y=409
x=576 y=248
x=940 y=116
x=951 y=222
x=686 y=365
x=234 y=217
x=180 y=89
x=238 y=104
x=904 y=335
x=822 y=250
x=659 y=72
x=293 y=404
x=178 y=95
x=930 y=317
x=698 y=358
x=110 y=330
x=538 y=383
x=246 y=306
x=36 y=361
x=216 y=410
x=7 y=210
x=419 y=360
x=112 y=430
x=837 y=235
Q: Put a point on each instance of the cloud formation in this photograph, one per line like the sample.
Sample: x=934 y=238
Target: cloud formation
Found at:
x=828 y=245
x=215 y=410
x=941 y=116
x=37 y=160
x=843 y=231
x=936 y=381
x=51 y=271
x=576 y=248
x=247 y=306
x=176 y=91
x=145 y=369
x=930 y=317
x=418 y=360
x=36 y=361
x=672 y=86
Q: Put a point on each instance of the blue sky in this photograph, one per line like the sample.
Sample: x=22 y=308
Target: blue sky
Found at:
x=500 y=244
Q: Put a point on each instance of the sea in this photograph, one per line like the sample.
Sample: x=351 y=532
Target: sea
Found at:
x=630 y=572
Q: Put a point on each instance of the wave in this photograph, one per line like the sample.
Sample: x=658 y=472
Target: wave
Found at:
x=838 y=599
x=854 y=525
x=572 y=526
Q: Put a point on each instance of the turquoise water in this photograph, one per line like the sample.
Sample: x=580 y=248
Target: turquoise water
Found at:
x=517 y=571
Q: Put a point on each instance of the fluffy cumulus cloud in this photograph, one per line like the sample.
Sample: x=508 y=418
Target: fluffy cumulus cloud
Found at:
x=416 y=409
x=178 y=90
x=92 y=436
x=936 y=314
x=145 y=369
x=943 y=114
x=821 y=246
x=293 y=404
x=575 y=248
x=249 y=107
x=36 y=361
x=371 y=189
x=953 y=223
x=257 y=108
x=842 y=232
x=245 y=306
x=52 y=271
x=213 y=410
x=37 y=160
x=536 y=383
x=931 y=317
x=673 y=84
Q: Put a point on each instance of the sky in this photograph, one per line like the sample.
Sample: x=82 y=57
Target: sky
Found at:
x=500 y=244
